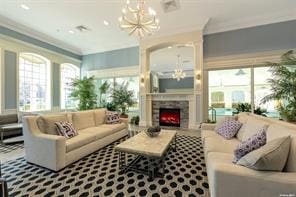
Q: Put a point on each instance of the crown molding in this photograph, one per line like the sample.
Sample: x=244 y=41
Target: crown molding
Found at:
x=12 y=25
x=216 y=27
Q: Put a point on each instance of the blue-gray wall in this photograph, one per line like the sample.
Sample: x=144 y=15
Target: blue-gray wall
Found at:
x=269 y=37
x=111 y=59
x=10 y=86
x=39 y=43
x=174 y=84
x=277 y=36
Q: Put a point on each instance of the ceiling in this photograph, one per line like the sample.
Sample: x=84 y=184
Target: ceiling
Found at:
x=51 y=20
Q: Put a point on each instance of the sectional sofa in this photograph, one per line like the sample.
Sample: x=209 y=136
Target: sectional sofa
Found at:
x=227 y=179
x=44 y=147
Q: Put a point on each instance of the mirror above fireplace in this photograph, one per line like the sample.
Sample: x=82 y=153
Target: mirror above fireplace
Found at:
x=172 y=69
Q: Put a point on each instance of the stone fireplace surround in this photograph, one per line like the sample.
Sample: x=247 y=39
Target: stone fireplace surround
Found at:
x=182 y=105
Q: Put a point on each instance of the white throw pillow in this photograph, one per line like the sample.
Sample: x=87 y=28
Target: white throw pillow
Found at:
x=270 y=157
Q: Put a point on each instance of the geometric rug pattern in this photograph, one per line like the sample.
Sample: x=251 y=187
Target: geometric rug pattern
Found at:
x=98 y=175
x=7 y=148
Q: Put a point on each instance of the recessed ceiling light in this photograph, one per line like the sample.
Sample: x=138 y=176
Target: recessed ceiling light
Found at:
x=71 y=32
x=169 y=47
x=106 y=22
x=25 y=7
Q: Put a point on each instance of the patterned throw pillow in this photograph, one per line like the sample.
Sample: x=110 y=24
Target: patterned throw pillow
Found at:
x=252 y=143
x=112 y=118
x=229 y=128
x=66 y=129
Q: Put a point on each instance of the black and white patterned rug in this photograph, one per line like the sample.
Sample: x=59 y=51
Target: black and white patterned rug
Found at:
x=98 y=175
x=7 y=148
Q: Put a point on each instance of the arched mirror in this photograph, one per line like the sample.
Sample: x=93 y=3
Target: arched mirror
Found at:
x=172 y=69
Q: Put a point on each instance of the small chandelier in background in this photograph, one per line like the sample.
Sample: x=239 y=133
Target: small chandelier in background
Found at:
x=179 y=73
x=139 y=20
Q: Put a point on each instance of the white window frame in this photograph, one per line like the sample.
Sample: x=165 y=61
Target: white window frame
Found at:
x=48 y=98
x=62 y=96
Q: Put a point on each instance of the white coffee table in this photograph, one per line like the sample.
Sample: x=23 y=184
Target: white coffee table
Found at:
x=155 y=149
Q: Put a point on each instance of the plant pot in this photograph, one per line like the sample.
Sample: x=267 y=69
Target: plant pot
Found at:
x=123 y=116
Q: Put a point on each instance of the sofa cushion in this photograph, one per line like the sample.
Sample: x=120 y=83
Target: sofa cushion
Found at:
x=242 y=118
x=80 y=140
x=252 y=143
x=222 y=120
x=83 y=119
x=114 y=127
x=46 y=123
x=98 y=132
x=272 y=156
x=252 y=126
x=217 y=143
x=100 y=115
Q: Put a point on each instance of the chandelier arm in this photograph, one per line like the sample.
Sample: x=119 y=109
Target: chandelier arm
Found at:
x=129 y=21
x=133 y=30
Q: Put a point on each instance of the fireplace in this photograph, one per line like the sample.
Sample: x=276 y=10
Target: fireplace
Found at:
x=169 y=117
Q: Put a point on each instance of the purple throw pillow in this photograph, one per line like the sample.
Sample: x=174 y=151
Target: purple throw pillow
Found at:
x=229 y=128
x=112 y=118
x=252 y=143
x=66 y=129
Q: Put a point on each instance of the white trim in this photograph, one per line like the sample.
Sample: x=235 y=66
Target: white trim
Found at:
x=114 y=72
x=10 y=111
x=2 y=81
x=243 y=60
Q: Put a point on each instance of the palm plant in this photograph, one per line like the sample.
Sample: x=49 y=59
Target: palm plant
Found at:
x=103 y=90
x=84 y=92
x=283 y=85
x=123 y=98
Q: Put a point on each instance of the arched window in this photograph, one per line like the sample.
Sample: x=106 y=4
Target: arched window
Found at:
x=34 y=82
x=217 y=97
x=68 y=73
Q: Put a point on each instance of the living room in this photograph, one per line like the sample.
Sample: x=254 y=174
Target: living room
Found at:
x=148 y=98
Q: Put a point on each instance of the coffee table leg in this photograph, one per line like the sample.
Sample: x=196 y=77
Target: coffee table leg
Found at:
x=122 y=161
x=151 y=168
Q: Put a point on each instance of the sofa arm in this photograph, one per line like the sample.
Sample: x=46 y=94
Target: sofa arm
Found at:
x=207 y=126
x=233 y=180
x=43 y=149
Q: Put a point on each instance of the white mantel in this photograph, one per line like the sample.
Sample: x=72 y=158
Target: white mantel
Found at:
x=195 y=99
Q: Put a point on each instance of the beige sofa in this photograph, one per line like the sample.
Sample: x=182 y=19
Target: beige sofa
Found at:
x=45 y=148
x=227 y=179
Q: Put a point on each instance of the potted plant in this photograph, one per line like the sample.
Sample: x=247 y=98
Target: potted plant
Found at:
x=84 y=92
x=283 y=86
x=123 y=98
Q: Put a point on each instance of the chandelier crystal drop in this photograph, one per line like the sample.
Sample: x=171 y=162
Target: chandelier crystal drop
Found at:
x=138 y=20
x=179 y=73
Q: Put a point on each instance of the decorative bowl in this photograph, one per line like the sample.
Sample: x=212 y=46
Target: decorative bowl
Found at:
x=153 y=131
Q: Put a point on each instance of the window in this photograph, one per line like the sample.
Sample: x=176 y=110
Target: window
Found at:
x=69 y=72
x=235 y=85
x=133 y=84
x=34 y=82
x=263 y=88
x=227 y=88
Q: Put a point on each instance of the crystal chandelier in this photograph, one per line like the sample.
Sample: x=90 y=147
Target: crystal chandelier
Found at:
x=179 y=73
x=139 y=20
